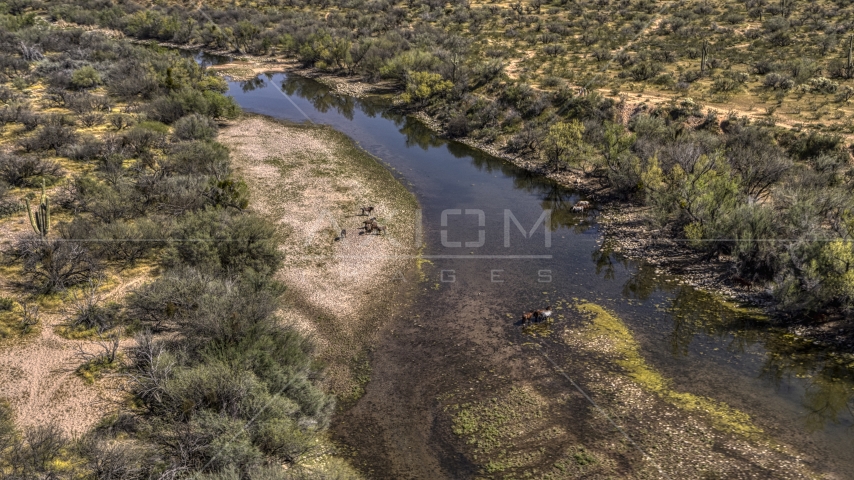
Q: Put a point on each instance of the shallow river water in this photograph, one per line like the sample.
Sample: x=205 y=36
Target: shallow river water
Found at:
x=484 y=268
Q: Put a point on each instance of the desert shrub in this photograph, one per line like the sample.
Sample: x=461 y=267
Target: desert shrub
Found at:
x=198 y=158
x=131 y=81
x=822 y=280
x=164 y=302
x=765 y=66
x=122 y=241
x=120 y=121
x=621 y=167
x=79 y=103
x=554 y=49
x=144 y=137
x=458 y=126
x=551 y=82
x=52 y=265
x=215 y=240
x=195 y=127
x=776 y=80
x=822 y=85
x=813 y=144
x=177 y=195
x=170 y=108
x=423 y=87
x=32 y=456
x=85 y=77
x=725 y=84
x=92 y=119
x=564 y=146
x=52 y=136
x=104 y=201
x=645 y=71
x=28 y=170
x=86 y=148
x=166 y=109
x=238 y=357
x=525 y=100
x=758 y=159
x=665 y=79
x=7 y=94
x=690 y=76
x=775 y=24
x=754 y=231
x=114 y=459
x=8 y=206
x=128 y=242
x=90 y=311
x=210 y=439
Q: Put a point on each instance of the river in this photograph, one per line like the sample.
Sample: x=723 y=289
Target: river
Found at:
x=483 y=269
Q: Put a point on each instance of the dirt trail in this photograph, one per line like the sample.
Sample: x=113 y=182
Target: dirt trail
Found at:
x=39 y=380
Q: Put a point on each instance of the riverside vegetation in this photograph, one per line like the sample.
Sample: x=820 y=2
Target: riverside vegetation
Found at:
x=773 y=198
x=113 y=147
x=674 y=157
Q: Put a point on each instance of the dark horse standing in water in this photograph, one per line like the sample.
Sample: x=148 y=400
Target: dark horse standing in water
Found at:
x=537 y=315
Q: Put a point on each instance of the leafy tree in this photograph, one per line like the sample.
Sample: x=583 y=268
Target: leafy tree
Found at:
x=705 y=194
x=423 y=86
x=564 y=146
x=821 y=276
x=622 y=167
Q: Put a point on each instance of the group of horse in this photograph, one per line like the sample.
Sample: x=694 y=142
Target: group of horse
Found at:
x=536 y=316
x=581 y=206
x=370 y=225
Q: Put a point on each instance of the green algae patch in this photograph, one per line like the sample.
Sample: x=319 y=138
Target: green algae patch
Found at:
x=606 y=325
x=420 y=261
x=494 y=427
x=540 y=329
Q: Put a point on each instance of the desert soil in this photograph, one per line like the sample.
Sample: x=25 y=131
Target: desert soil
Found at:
x=37 y=373
x=311 y=181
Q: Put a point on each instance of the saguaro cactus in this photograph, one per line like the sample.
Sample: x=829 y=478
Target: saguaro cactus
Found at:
x=41 y=220
x=703 y=53
x=848 y=65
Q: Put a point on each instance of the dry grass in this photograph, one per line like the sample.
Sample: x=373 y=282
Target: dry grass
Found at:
x=310 y=181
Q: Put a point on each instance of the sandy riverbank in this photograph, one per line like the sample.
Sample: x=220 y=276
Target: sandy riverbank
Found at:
x=311 y=180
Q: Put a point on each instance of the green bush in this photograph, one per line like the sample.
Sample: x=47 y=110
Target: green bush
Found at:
x=198 y=158
x=195 y=127
x=6 y=304
x=85 y=77
x=218 y=241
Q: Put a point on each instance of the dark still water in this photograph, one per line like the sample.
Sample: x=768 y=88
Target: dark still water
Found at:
x=471 y=206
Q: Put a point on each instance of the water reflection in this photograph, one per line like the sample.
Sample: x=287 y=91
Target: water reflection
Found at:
x=827 y=378
x=206 y=59
x=321 y=98
x=253 y=84
x=418 y=135
x=829 y=394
